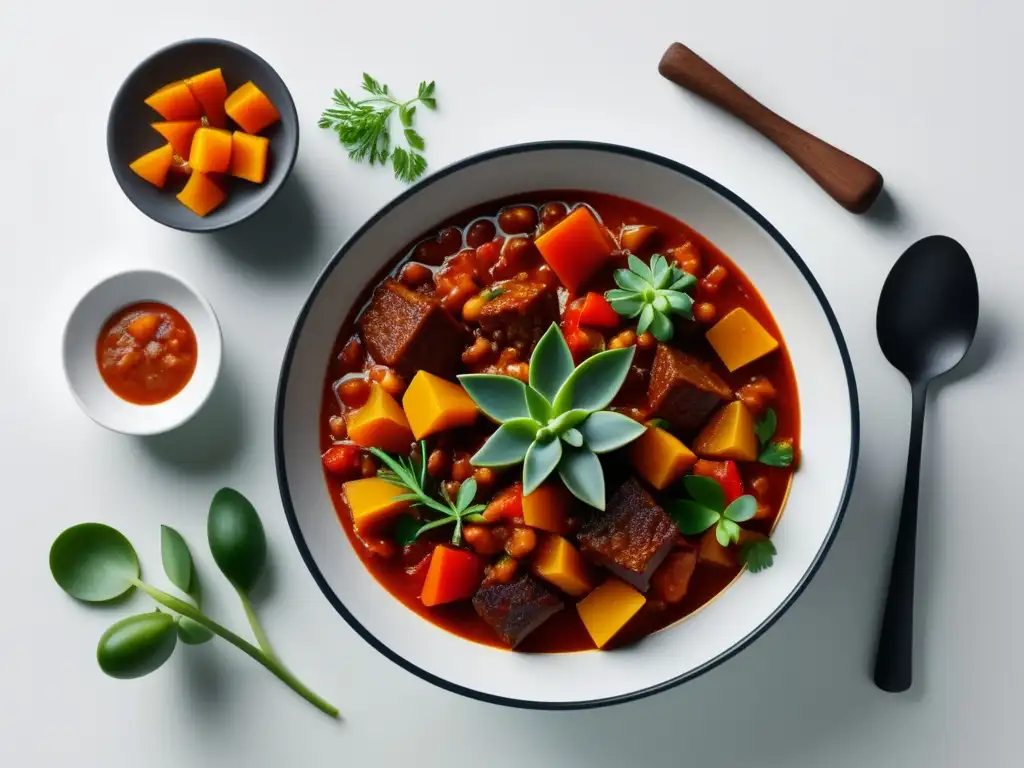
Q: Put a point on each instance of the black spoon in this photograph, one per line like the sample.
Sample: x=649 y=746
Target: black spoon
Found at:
x=927 y=315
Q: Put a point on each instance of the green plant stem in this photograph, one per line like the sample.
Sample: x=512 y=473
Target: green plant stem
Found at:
x=271 y=663
x=257 y=628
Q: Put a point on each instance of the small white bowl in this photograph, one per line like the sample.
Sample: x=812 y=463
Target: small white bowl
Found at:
x=82 y=371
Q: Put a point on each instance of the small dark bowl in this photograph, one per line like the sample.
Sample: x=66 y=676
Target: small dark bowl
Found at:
x=129 y=134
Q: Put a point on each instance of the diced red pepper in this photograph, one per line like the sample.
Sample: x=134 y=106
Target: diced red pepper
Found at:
x=453 y=574
x=726 y=473
x=507 y=505
x=598 y=313
x=343 y=460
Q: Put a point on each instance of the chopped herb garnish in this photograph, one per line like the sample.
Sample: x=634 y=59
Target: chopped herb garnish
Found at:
x=411 y=475
x=364 y=127
x=765 y=428
x=558 y=421
x=757 y=554
x=652 y=294
x=773 y=454
x=777 y=454
x=708 y=508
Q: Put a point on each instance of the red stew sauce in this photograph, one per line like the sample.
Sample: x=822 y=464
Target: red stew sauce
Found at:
x=454 y=266
x=146 y=353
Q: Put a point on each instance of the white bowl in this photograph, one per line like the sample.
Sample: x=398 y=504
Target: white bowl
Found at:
x=829 y=433
x=82 y=371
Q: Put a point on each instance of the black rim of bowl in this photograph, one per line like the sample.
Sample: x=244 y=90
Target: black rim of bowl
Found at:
x=639 y=154
x=289 y=106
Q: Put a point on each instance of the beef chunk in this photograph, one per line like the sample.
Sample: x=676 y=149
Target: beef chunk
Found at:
x=520 y=314
x=683 y=390
x=631 y=537
x=515 y=609
x=411 y=332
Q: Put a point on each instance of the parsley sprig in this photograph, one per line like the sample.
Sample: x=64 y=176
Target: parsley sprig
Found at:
x=363 y=127
x=708 y=508
x=774 y=453
x=411 y=475
x=757 y=554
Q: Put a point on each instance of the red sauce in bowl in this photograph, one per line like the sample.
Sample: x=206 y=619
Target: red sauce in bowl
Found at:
x=146 y=353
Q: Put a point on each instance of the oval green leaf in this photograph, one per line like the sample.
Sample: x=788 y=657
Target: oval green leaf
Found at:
x=192 y=632
x=176 y=558
x=705 y=491
x=628 y=281
x=581 y=473
x=727 y=532
x=596 y=382
x=679 y=303
x=646 y=317
x=606 y=431
x=466 y=493
x=137 y=645
x=573 y=437
x=537 y=405
x=640 y=269
x=508 y=445
x=627 y=307
x=541 y=460
x=551 y=363
x=690 y=517
x=661 y=327
x=500 y=397
x=93 y=562
x=742 y=509
x=237 y=540
x=617 y=293
x=684 y=282
x=661 y=270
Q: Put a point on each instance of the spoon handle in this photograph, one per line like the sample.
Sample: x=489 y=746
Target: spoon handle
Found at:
x=852 y=183
x=894 y=661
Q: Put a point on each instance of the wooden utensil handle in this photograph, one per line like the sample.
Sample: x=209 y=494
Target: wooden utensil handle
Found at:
x=852 y=183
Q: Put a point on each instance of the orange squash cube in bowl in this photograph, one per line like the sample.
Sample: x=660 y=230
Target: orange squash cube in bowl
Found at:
x=176 y=102
x=249 y=156
x=201 y=194
x=153 y=166
x=179 y=134
x=210 y=91
x=251 y=109
x=211 y=151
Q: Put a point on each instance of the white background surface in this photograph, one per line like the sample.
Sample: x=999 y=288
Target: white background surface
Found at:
x=928 y=92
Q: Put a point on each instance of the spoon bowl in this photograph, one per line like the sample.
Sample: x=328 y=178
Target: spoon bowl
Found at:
x=928 y=310
x=927 y=317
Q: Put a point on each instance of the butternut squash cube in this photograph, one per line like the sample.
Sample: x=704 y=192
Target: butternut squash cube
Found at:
x=153 y=166
x=608 y=609
x=176 y=102
x=739 y=339
x=250 y=108
x=201 y=194
x=433 y=405
x=211 y=151
x=380 y=423
x=179 y=133
x=728 y=435
x=372 y=502
x=210 y=91
x=547 y=508
x=249 y=156
x=560 y=563
x=660 y=458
